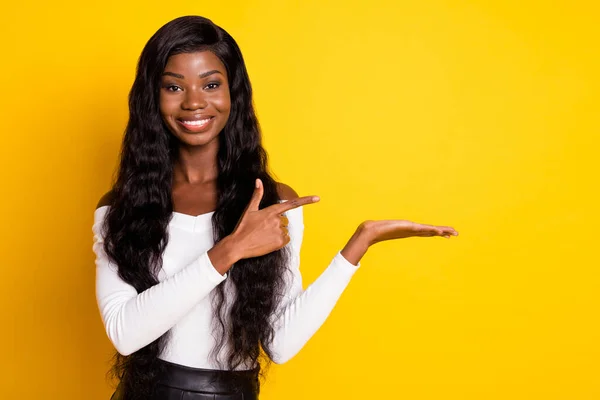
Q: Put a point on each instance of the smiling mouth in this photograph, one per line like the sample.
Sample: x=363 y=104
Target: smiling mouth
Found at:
x=195 y=125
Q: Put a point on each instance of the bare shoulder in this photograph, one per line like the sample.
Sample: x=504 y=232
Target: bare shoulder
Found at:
x=106 y=199
x=286 y=192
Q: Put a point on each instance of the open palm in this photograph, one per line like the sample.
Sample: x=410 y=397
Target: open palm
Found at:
x=398 y=229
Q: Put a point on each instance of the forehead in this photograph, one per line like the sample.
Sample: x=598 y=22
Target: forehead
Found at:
x=195 y=63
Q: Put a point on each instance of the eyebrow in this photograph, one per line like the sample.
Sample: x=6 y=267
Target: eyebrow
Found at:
x=202 y=75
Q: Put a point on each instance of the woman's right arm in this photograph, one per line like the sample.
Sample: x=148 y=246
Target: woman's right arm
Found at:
x=134 y=320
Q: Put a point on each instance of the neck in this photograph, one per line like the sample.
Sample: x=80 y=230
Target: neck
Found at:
x=196 y=164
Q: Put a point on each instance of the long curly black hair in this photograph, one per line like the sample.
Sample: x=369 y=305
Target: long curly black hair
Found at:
x=141 y=207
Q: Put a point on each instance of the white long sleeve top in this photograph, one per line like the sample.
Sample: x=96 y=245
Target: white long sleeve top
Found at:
x=181 y=301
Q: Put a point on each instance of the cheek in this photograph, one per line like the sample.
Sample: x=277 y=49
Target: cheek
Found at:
x=223 y=103
x=166 y=106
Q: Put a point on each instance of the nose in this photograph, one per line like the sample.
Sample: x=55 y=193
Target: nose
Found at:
x=194 y=100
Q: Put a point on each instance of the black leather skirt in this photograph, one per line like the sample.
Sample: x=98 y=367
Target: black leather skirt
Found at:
x=179 y=382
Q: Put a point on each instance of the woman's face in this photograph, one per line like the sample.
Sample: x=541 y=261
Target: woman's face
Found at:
x=194 y=97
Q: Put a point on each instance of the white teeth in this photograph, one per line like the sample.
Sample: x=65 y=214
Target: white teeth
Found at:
x=196 y=123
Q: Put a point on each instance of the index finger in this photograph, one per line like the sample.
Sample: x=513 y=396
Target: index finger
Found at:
x=291 y=204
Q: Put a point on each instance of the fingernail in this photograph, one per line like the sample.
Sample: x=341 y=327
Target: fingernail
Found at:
x=256 y=183
x=316 y=198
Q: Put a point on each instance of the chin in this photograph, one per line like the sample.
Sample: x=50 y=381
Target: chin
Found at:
x=196 y=139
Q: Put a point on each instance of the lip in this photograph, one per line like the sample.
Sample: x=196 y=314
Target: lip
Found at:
x=196 y=129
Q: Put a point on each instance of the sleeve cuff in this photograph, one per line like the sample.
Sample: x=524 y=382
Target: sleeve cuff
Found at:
x=208 y=269
x=344 y=264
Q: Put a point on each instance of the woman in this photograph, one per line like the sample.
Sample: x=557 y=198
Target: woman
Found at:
x=197 y=247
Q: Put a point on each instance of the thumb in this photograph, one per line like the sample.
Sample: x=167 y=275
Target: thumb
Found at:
x=256 y=196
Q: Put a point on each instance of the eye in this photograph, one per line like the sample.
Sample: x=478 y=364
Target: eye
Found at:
x=213 y=85
x=173 y=88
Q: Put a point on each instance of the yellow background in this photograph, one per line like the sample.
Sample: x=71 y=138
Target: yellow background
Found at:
x=480 y=115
